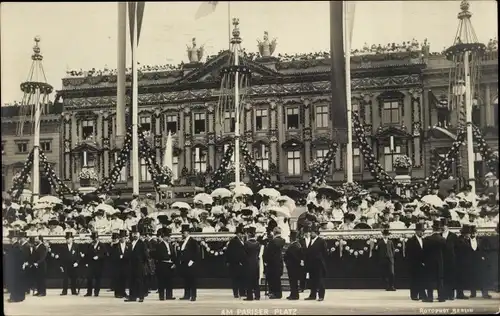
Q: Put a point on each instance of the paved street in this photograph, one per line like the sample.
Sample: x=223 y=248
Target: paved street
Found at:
x=220 y=302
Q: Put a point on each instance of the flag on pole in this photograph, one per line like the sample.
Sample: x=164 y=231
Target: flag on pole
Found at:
x=206 y=8
x=132 y=7
x=338 y=109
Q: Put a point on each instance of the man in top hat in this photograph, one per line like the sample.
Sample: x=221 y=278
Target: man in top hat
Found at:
x=449 y=260
x=26 y=250
x=463 y=255
x=385 y=255
x=189 y=256
x=69 y=257
x=273 y=262
x=315 y=260
x=415 y=253
x=15 y=271
x=294 y=261
x=251 y=265
x=434 y=248
x=165 y=258
x=94 y=257
x=137 y=260
x=480 y=252
x=235 y=259
x=120 y=257
x=304 y=241
x=39 y=262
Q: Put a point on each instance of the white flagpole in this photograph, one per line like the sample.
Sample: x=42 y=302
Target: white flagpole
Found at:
x=135 y=110
x=229 y=23
x=468 y=117
x=347 y=50
x=236 y=40
x=120 y=82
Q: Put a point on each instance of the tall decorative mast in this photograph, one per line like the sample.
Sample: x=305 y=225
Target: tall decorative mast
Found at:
x=235 y=80
x=35 y=100
x=466 y=54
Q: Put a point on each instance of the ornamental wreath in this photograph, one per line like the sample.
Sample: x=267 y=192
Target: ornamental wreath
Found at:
x=88 y=174
x=402 y=161
x=19 y=176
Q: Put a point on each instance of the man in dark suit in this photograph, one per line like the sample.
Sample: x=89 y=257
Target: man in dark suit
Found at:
x=164 y=255
x=479 y=250
x=415 y=253
x=315 y=261
x=120 y=259
x=463 y=254
x=189 y=256
x=70 y=257
x=304 y=243
x=95 y=255
x=39 y=260
x=294 y=261
x=449 y=260
x=138 y=256
x=114 y=240
x=235 y=258
x=273 y=262
x=15 y=270
x=385 y=255
x=26 y=249
x=251 y=265
x=434 y=248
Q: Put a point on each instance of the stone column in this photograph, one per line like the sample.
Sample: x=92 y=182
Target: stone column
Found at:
x=74 y=141
x=249 y=126
x=211 y=136
x=180 y=139
x=275 y=131
x=67 y=146
x=416 y=108
x=158 y=136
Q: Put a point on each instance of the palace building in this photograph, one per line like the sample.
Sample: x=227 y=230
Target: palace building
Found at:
x=396 y=90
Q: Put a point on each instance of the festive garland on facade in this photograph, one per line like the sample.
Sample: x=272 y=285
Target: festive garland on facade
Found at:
x=319 y=174
x=55 y=182
x=341 y=247
x=258 y=177
x=20 y=181
x=485 y=150
x=217 y=180
x=214 y=252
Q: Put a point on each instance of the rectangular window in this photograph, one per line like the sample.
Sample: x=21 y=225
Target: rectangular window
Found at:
x=292 y=118
x=229 y=122
x=389 y=157
x=46 y=145
x=356 y=160
x=22 y=147
x=261 y=154
x=261 y=120
x=88 y=131
x=145 y=175
x=322 y=116
x=171 y=124
x=390 y=114
x=123 y=172
x=293 y=161
x=321 y=154
x=199 y=123
x=175 y=167
x=145 y=123
x=200 y=159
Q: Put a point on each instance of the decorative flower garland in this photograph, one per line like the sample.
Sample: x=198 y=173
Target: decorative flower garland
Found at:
x=17 y=176
x=319 y=174
x=55 y=182
x=88 y=174
x=258 y=177
x=342 y=247
x=485 y=150
x=214 y=252
x=351 y=189
x=218 y=177
x=20 y=181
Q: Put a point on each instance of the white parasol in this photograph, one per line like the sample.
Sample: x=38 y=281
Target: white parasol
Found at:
x=41 y=206
x=180 y=205
x=221 y=193
x=106 y=208
x=289 y=202
x=433 y=200
x=203 y=198
x=241 y=190
x=280 y=211
x=50 y=200
x=270 y=192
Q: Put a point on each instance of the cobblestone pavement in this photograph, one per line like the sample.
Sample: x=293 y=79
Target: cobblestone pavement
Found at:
x=221 y=302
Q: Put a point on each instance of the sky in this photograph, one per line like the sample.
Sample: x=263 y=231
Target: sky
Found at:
x=83 y=35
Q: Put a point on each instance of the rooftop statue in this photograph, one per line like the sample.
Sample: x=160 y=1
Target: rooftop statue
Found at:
x=266 y=47
x=195 y=54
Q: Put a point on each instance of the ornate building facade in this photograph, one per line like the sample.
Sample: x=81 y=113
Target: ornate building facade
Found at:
x=395 y=90
x=16 y=146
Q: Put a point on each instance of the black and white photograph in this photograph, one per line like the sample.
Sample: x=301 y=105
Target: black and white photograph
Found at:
x=250 y=158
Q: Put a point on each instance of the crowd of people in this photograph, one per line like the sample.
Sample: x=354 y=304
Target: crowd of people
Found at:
x=367 y=210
